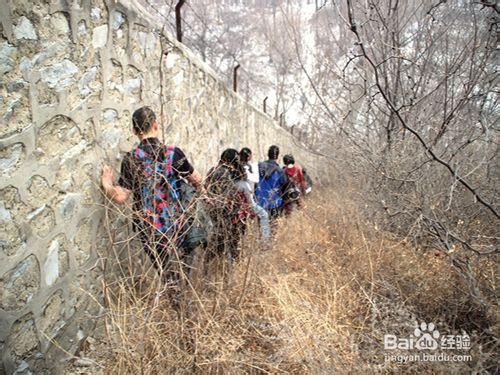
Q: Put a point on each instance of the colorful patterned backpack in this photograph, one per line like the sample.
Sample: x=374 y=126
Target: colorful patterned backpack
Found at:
x=161 y=207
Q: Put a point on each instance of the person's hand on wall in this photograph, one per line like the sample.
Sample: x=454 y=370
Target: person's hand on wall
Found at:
x=116 y=193
x=107 y=176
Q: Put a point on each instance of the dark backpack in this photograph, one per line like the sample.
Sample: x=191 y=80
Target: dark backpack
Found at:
x=234 y=205
x=199 y=225
x=292 y=191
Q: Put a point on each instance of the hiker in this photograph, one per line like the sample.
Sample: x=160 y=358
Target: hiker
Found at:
x=251 y=167
x=271 y=184
x=152 y=173
x=308 y=180
x=247 y=186
x=296 y=185
x=229 y=207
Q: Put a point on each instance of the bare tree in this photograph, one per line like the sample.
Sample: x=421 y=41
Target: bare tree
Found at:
x=403 y=96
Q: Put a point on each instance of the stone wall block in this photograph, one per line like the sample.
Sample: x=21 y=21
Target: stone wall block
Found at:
x=18 y=286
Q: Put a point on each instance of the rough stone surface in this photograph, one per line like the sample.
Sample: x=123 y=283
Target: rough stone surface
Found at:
x=42 y=220
x=23 y=338
x=95 y=14
x=70 y=84
x=25 y=65
x=148 y=41
x=15 y=86
x=51 y=265
x=18 y=286
x=111 y=137
x=9 y=112
x=10 y=157
x=25 y=29
x=82 y=29
x=68 y=205
x=85 y=83
x=59 y=75
x=118 y=19
x=100 y=36
x=109 y=115
x=49 y=50
x=59 y=23
x=132 y=85
x=4 y=213
x=6 y=57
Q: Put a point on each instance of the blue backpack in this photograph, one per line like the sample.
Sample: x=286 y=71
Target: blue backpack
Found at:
x=269 y=189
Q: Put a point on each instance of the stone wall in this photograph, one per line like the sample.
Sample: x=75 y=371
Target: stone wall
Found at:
x=71 y=74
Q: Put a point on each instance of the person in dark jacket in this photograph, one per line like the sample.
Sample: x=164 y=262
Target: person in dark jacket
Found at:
x=272 y=182
x=227 y=209
x=308 y=180
x=296 y=186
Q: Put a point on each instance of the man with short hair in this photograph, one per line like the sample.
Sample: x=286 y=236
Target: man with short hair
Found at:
x=271 y=184
x=151 y=172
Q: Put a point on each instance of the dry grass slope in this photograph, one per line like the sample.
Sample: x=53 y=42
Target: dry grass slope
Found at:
x=320 y=301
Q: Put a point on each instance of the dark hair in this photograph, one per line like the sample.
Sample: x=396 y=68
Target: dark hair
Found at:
x=288 y=159
x=230 y=157
x=143 y=119
x=273 y=152
x=245 y=154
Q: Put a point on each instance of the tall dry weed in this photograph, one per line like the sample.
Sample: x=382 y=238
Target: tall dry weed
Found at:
x=318 y=301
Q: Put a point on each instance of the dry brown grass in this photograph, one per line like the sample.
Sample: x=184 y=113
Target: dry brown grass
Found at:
x=320 y=301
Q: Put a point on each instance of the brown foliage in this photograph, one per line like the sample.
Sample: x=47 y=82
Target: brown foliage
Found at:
x=319 y=301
